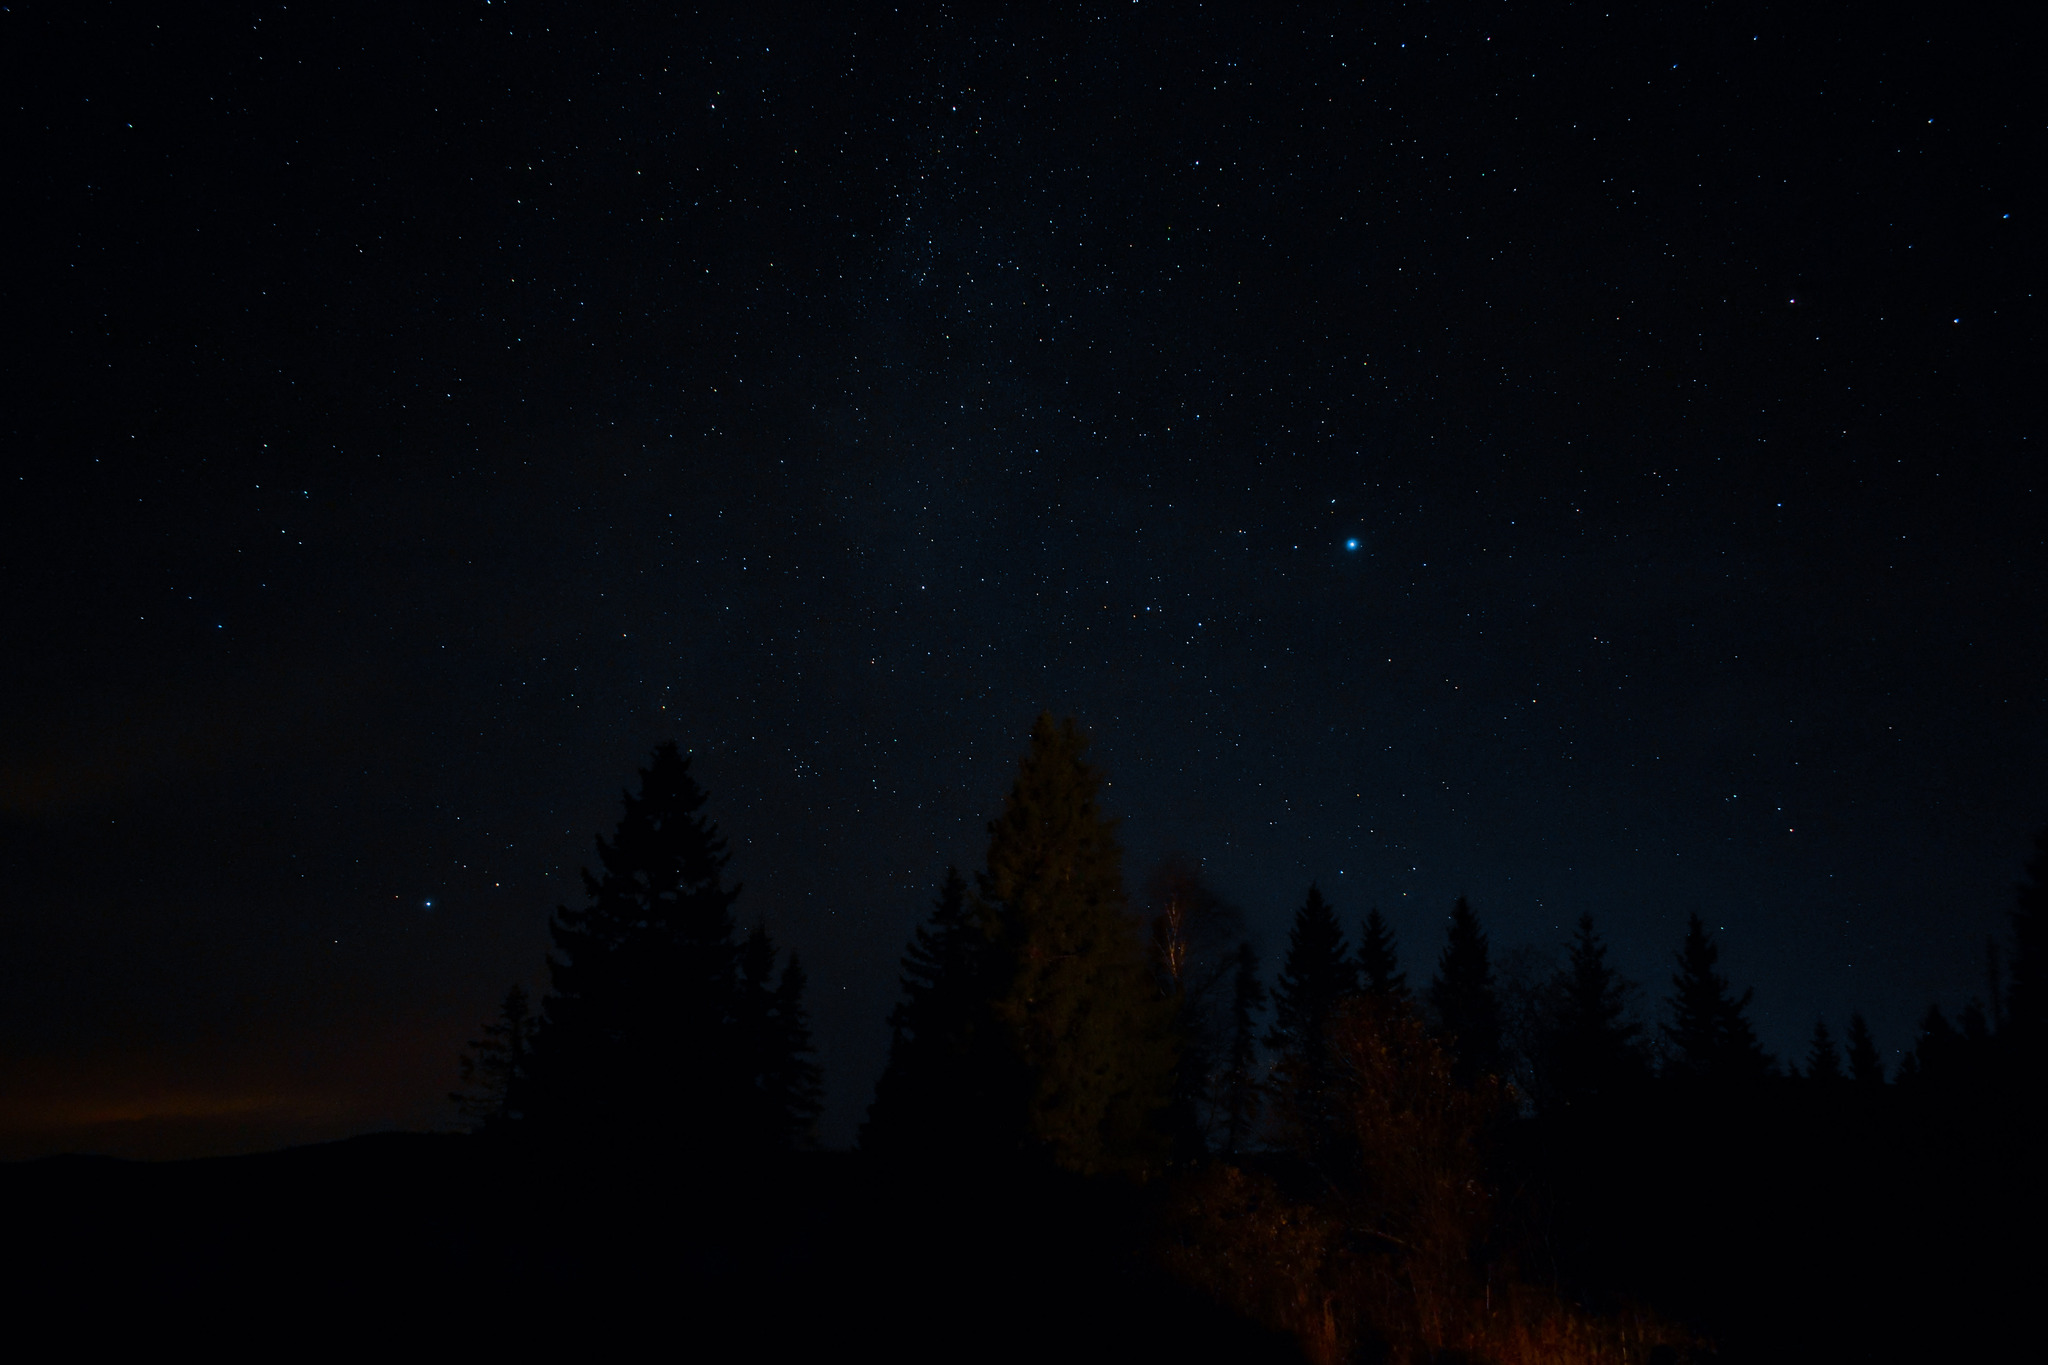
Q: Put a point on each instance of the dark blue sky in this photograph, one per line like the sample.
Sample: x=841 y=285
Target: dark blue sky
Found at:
x=416 y=424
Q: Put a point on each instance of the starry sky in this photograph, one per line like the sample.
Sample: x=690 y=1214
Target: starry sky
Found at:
x=1580 y=461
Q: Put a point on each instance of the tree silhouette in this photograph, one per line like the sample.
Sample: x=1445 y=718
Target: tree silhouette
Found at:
x=786 y=1092
x=1379 y=967
x=1866 y=1067
x=1939 y=1056
x=1823 y=1061
x=1195 y=936
x=1316 y=978
x=651 y=1033
x=1710 y=1034
x=1463 y=1000
x=946 y=1086
x=1081 y=1008
x=1590 y=1048
x=493 y=1066
x=1239 y=1097
x=1317 y=975
x=2026 y=995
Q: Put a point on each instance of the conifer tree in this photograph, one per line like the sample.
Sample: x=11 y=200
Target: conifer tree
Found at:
x=493 y=1066
x=652 y=1034
x=1379 y=966
x=1866 y=1067
x=1317 y=975
x=946 y=1075
x=785 y=1093
x=1463 y=999
x=1938 y=1053
x=1710 y=1034
x=1195 y=935
x=1590 y=1048
x=1823 y=1061
x=1080 y=1006
x=2026 y=993
x=1240 y=1098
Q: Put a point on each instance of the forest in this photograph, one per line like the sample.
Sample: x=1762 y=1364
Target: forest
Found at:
x=1481 y=1162
x=1107 y=1130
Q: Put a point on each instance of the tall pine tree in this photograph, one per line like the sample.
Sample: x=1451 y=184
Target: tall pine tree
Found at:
x=1866 y=1067
x=1939 y=1056
x=2025 y=1027
x=1379 y=966
x=1239 y=1094
x=947 y=1088
x=1591 y=1050
x=1317 y=975
x=652 y=1033
x=1080 y=1007
x=785 y=1088
x=1710 y=1034
x=1463 y=999
x=1823 y=1060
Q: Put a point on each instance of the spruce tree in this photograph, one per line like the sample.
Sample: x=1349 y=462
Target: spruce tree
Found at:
x=1379 y=966
x=1080 y=1006
x=1710 y=1034
x=1823 y=1061
x=651 y=1034
x=2026 y=995
x=493 y=1066
x=1866 y=1067
x=945 y=1086
x=1937 y=1057
x=1590 y=1049
x=1463 y=999
x=785 y=1088
x=1317 y=975
x=1239 y=1097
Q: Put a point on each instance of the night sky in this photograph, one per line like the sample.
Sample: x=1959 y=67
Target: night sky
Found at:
x=1581 y=462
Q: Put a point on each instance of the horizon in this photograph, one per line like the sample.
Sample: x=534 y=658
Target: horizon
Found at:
x=1585 y=463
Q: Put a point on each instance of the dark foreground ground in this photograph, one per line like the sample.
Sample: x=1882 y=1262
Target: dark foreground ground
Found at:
x=1800 y=1224
x=417 y=1239
x=1779 y=1231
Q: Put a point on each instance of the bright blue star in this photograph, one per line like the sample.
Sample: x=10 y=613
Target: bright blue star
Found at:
x=1351 y=544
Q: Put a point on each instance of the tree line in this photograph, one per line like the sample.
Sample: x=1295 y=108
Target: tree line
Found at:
x=1042 y=1012
x=1327 y=1150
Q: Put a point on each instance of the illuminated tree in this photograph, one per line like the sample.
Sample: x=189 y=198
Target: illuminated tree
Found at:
x=1080 y=1006
x=1463 y=1000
